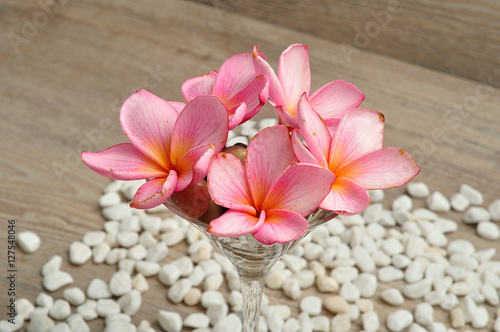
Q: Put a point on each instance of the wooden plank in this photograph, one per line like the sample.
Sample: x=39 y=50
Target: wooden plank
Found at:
x=458 y=37
x=60 y=94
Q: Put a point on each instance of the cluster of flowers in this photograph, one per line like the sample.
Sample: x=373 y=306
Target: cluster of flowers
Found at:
x=325 y=153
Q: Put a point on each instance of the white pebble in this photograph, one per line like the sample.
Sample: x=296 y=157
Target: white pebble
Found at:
x=372 y=213
x=417 y=290
x=401 y=261
x=392 y=296
x=60 y=310
x=267 y=122
x=28 y=241
x=109 y=199
x=52 y=265
x=449 y=302
x=185 y=265
x=39 y=321
x=349 y=292
x=457 y=318
x=140 y=283
x=79 y=253
x=392 y=246
x=370 y=321
x=117 y=212
x=390 y=273
x=320 y=324
x=306 y=279
x=170 y=321
x=437 y=202
x=402 y=202
x=107 y=307
x=414 y=272
x=74 y=295
x=120 y=283
x=196 y=320
x=24 y=307
x=311 y=304
x=213 y=281
x=94 y=238
x=291 y=288
x=76 y=323
x=56 y=280
x=178 y=290
x=100 y=252
x=98 y=289
x=480 y=318
x=87 y=310
x=61 y=327
x=475 y=214
x=44 y=300
x=417 y=189
x=364 y=261
x=148 y=269
x=437 y=238
x=494 y=210
x=231 y=323
x=459 y=202
x=157 y=252
x=474 y=196
x=130 y=303
x=460 y=246
x=341 y=323
x=424 y=313
x=376 y=195
x=399 y=320
x=488 y=230
x=366 y=283
x=446 y=225
x=344 y=273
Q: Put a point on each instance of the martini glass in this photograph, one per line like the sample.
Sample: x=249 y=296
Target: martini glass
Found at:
x=252 y=259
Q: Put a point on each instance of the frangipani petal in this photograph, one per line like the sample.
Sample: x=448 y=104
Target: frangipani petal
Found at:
x=300 y=189
x=155 y=192
x=202 y=85
x=333 y=99
x=148 y=121
x=360 y=131
x=203 y=121
x=345 y=197
x=294 y=75
x=261 y=66
x=254 y=95
x=122 y=162
x=281 y=226
x=269 y=153
x=186 y=166
x=238 y=115
x=234 y=76
x=234 y=223
x=302 y=153
x=286 y=118
x=228 y=185
x=314 y=131
x=177 y=105
x=386 y=168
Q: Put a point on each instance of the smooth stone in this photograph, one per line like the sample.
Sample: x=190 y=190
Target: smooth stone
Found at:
x=370 y=321
x=424 y=313
x=336 y=304
x=87 y=310
x=117 y=212
x=178 y=290
x=474 y=196
x=60 y=309
x=107 y=307
x=170 y=321
x=376 y=195
x=74 y=295
x=197 y=320
x=120 y=283
x=52 y=265
x=366 y=283
x=56 y=280
x=390 y=273
x=418 y=189
x=437 y=202
x=147 y=269
x=399 y=320
x=79 y=253
x=392 y=296
x=28 y=241
x=311 y=304
x=109 y=199
x=341 y=323
x=130 y=303
x=459 y=202
x=494 y=210
x=417 y=290
x=488 y=230
x=93 y=238
x=475 y=214
x=157 y=252
x=98 y=289
x=76 y=323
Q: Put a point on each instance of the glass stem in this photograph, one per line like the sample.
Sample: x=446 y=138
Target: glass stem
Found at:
x=252 y=290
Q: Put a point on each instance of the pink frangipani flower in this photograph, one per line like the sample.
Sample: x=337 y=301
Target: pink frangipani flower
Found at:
x=355 y=155
x=169 y=149
x=237 y=84
x=270 y=194
x=331 y=101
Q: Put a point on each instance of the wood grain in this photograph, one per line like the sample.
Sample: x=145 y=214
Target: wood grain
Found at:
x=61 y=89
x=458 y=37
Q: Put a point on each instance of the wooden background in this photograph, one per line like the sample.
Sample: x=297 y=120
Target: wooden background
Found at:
x=66 y=68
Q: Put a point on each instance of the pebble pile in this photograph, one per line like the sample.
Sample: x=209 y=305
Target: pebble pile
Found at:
x=346 y=260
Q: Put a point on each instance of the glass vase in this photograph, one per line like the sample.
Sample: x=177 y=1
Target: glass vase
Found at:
x=252 y=259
